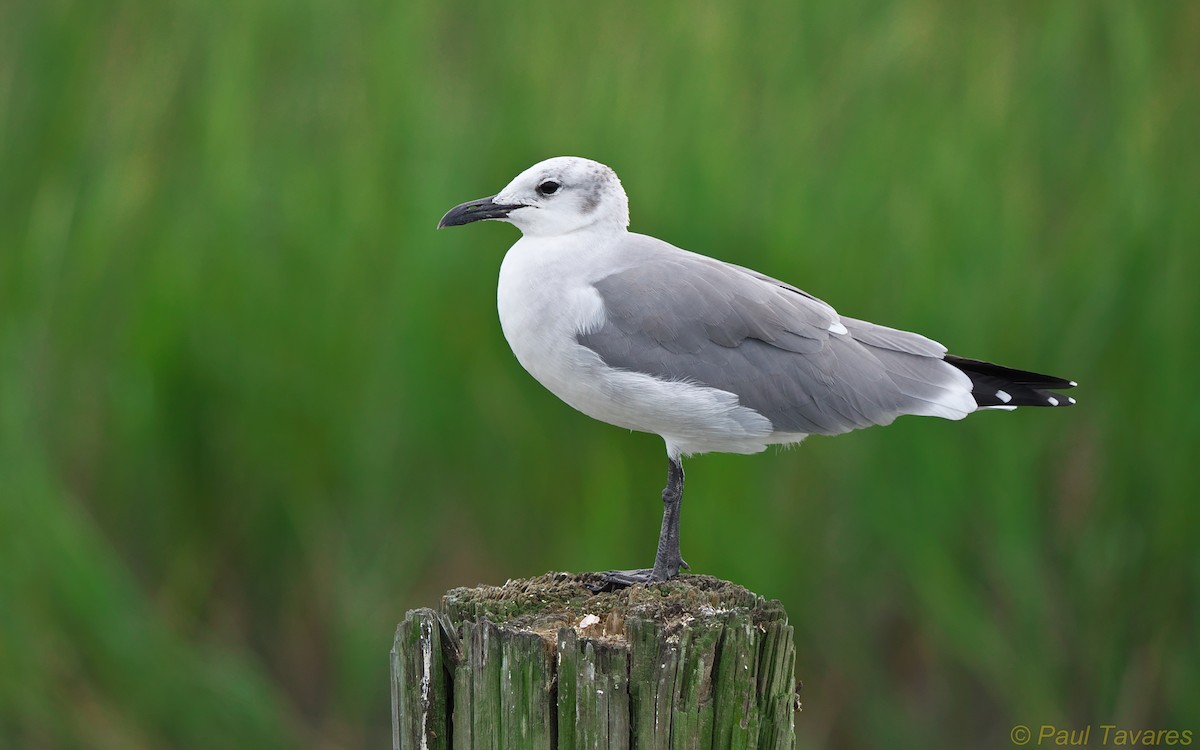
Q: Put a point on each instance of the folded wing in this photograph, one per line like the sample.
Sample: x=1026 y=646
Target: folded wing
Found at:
x=787 y=355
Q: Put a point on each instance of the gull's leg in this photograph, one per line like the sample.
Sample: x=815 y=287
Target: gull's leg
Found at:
x=667 y=560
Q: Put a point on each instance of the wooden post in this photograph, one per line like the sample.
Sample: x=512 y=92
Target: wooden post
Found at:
x=544 y=663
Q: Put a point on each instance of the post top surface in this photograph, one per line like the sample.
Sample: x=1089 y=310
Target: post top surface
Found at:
x=546 y=603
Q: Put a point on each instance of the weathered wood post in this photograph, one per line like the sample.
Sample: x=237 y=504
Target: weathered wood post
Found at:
x=545 y=663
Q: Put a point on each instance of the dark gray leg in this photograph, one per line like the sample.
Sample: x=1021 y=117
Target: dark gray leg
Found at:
x=667 y=561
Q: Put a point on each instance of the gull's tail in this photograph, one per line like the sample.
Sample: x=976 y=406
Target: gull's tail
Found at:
x=996 y=387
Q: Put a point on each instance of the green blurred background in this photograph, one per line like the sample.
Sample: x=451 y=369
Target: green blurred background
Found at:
x=253 y=407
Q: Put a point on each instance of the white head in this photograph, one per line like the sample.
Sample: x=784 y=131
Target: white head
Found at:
x=556 y=196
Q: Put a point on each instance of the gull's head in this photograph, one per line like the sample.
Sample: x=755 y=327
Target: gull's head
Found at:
x=556 y=196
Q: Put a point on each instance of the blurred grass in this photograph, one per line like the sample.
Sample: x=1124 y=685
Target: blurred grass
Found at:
x=252 y=408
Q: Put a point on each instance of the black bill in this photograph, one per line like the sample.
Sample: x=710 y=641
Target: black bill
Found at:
x=484 y=208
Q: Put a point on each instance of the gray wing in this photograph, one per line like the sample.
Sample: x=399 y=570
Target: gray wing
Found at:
x=684 y=317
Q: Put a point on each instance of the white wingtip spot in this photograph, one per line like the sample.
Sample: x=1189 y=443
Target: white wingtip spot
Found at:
x=1070 y=400
x=1053 y=401
x=1003 y=396
x=1073 y=383
x=837 y=327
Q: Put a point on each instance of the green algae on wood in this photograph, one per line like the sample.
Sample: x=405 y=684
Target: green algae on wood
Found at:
x=544 y=663
x=419 y=694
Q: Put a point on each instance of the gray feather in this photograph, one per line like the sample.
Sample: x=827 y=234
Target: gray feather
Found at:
x=684 y=317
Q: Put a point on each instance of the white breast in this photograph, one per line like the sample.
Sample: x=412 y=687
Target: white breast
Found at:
x=543 y=300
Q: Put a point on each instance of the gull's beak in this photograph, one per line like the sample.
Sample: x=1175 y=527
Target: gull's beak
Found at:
x=484 y=208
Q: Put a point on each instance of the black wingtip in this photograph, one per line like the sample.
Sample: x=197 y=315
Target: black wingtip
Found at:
x=998 y=387
x=1023 y=377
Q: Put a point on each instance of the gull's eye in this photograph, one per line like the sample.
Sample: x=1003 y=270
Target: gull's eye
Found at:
x=549 y=187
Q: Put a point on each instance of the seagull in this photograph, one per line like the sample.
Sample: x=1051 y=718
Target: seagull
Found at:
x=709 y=355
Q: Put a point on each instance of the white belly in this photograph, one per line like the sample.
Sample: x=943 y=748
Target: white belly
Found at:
x=545 y=297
